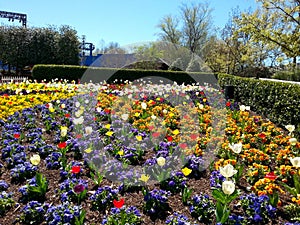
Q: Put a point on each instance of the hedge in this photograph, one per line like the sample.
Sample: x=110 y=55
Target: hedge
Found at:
x=110 y=75
x=277 y=101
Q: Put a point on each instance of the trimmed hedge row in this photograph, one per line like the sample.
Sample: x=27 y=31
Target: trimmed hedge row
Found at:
x=277 y=101
x=110 y=75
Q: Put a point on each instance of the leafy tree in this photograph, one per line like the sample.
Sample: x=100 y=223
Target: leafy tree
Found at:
x=276 y=23
x=67 y=41
x=20 y=47
x=169 y=26
x=196 y=23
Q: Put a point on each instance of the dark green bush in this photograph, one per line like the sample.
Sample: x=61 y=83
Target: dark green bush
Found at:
x=277 y=101
x=110 y=75
x=287 y=75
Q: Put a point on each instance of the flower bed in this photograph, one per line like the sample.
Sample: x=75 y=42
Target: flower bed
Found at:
x=117 y=154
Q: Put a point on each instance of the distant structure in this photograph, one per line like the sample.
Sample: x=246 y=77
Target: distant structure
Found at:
x=108 y=60
x=11 y=16
x=86 y=46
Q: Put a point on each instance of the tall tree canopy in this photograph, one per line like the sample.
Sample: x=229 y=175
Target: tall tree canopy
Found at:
x=191 y=28
x=20 y=47
x=277 y=24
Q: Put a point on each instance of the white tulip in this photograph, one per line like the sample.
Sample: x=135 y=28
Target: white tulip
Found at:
x=228 y=171
x=228 y=187
x=161 y=161
x=293 y=141
x=88 y=130
x=295 y=161
x=77 y=121
x=144 y=105
x=124 y=116
x=290 y=128
x=236 y=148
x=242 y=108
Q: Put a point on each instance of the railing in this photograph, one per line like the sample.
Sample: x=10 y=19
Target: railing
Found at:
x=14 y=79
x=283 y=81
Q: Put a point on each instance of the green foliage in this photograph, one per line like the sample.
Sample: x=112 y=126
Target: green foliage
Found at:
x=292 y=211
x=38 y=191
x=21 y=47
x=190 y=29
x=277 y=101
x=276 y=24
x=49 y=72
x=6 y=202
x=287 y=75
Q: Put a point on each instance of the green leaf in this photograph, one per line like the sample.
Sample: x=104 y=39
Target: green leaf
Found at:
x=233 y=196
x=291 y=190
x=225 y=215
x=296 y=183
x=219 y=196
x=219 y=211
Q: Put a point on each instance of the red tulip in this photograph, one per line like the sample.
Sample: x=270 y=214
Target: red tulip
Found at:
x=150 y=127
x=118 y=204
x=194 y=136
x=78 y=136
x=169 y=138
x=75 y=169
x=271 y=176
x=17 y=135
x=228 y=104
x=156 y=134
x=262 y=135
x=183 y=145
x=67 y=115
x=62 y=145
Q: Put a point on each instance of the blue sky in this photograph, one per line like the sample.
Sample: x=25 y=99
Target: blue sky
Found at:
x=125 y=22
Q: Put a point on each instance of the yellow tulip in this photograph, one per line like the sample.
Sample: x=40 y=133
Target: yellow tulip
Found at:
x=186 y=171
x=144 y=178
x=139 y=138
x=35 y=159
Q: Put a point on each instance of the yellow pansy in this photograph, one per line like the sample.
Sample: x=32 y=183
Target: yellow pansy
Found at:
x=109 y=133
x=139 y=137
x=88 y=150
x=51 y=109
x=121 y=152
x=186 y=171
x=175 y=132
x=107 y=126
x=171 y=114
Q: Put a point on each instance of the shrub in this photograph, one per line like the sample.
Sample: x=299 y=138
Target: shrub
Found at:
x=277 y=101
x=110 y=75
x=287 y=75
